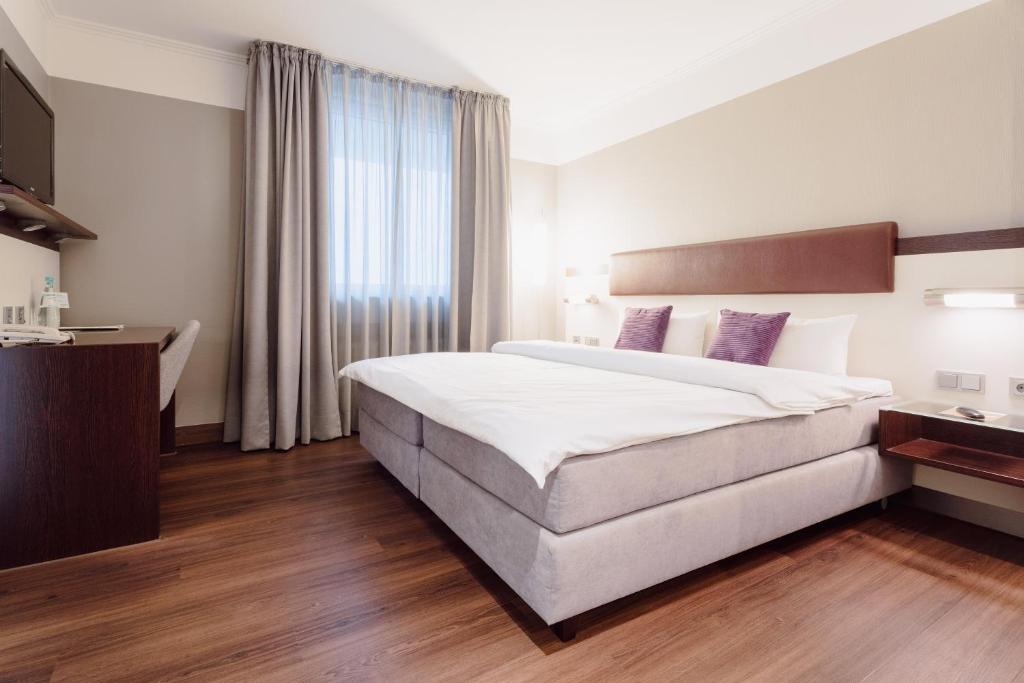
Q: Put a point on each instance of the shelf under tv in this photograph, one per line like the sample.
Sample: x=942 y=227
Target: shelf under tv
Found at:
x=23 y=210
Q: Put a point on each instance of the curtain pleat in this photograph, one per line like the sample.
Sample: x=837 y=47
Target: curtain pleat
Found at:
x=482 y=304
x=283 y=371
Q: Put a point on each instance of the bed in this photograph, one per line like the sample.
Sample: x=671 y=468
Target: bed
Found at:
x=582 y=475
x=714 y=459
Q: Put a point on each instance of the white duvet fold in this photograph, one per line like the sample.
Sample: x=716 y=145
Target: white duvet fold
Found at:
x=797 y=390
x=542 y=402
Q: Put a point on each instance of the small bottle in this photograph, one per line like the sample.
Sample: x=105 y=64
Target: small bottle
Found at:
x=49 y=316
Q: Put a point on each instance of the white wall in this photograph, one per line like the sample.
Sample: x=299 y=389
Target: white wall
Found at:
x=534 y=212
x=926 y=130
x=22 y=269
x=16 y=46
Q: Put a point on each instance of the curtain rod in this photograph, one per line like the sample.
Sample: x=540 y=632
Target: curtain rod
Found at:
x=372 y=70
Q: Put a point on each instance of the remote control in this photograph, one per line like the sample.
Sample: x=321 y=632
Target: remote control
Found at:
x=970 y=413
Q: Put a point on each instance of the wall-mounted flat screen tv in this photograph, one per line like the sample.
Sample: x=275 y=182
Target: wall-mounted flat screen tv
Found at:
x=26 y=134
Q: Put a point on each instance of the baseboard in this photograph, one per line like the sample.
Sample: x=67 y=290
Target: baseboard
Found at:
x=199 y=435
x=975 y=512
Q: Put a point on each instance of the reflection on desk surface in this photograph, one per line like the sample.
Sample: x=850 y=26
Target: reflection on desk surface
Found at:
x=93 y=328
x=128 y=335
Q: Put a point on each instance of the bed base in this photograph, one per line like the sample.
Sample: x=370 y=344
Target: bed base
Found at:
x=565 y=630
x=562 y=575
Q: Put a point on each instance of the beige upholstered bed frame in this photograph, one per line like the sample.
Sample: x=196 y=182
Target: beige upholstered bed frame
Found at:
x=561 y=574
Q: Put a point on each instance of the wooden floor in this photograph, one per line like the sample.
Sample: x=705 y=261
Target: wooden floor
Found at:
x=315 y=564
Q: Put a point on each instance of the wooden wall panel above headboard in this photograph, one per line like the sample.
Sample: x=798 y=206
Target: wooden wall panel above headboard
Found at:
x=849 y=259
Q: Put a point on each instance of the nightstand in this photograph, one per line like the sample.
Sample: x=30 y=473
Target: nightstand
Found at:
x=919 y=432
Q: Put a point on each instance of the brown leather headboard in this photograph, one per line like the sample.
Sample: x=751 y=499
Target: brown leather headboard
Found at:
x=850 y=259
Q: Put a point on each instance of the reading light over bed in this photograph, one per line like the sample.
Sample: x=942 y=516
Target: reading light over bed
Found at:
x=1001 y=297
x=590 y=270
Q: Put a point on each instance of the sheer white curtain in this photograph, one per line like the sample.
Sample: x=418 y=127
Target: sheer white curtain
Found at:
x=391 y=160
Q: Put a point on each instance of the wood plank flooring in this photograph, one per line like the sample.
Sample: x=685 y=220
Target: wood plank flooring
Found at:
x=315 y=564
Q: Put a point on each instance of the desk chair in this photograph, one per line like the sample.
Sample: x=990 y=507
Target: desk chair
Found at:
x=173 y=359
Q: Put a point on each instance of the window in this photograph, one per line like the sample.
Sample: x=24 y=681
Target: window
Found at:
x=391 y=145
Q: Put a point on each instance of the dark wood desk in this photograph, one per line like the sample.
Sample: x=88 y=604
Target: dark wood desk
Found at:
x=80 y=444
x=129 y=335
x=140 y=335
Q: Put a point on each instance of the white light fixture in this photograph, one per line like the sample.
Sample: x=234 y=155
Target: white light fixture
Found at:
x=996 y=297
x=592 y=299
x=587 y=271
x=581 y=271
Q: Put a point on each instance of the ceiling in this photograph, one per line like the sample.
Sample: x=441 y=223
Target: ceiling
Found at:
x=557 y=60
x=571 y=68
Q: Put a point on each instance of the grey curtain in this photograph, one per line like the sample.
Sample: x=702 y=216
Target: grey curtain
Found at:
x=376 y=222
x=481 y=218
x=283 y=373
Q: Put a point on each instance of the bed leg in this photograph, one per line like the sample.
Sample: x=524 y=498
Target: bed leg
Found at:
x=566 y=629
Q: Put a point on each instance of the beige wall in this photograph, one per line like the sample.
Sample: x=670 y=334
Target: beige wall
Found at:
x=927 y=130
x=534 y=212
x=159 y=181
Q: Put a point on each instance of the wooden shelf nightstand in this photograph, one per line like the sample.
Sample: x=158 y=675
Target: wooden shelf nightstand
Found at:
x=919 y=432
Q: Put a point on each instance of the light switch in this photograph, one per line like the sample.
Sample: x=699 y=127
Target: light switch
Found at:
x=948 y=380
x=969 y=382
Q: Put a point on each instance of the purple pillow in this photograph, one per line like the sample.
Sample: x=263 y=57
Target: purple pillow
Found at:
x=643 y=329
x=747 y=337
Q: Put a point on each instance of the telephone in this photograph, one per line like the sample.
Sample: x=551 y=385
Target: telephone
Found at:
x=31 y=334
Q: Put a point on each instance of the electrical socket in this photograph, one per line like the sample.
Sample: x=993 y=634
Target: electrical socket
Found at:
x=1017 y=386
x=8 y=315
x=592 y=341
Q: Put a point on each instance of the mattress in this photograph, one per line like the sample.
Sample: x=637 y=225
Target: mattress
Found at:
x=589 y=489
x=543 y=402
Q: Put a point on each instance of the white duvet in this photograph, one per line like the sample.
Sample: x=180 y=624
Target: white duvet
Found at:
x=542 y=402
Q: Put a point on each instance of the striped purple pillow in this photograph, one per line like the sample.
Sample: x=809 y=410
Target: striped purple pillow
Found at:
x=643 y=329
x=747 y=337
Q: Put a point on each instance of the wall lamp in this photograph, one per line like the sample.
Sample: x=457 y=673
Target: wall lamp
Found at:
x=591 y=299
x=585 y=271
x=589 y=270
x=993 y=297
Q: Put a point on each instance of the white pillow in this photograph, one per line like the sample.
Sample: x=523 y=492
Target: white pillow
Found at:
x=685 y=335
x=815 y=344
